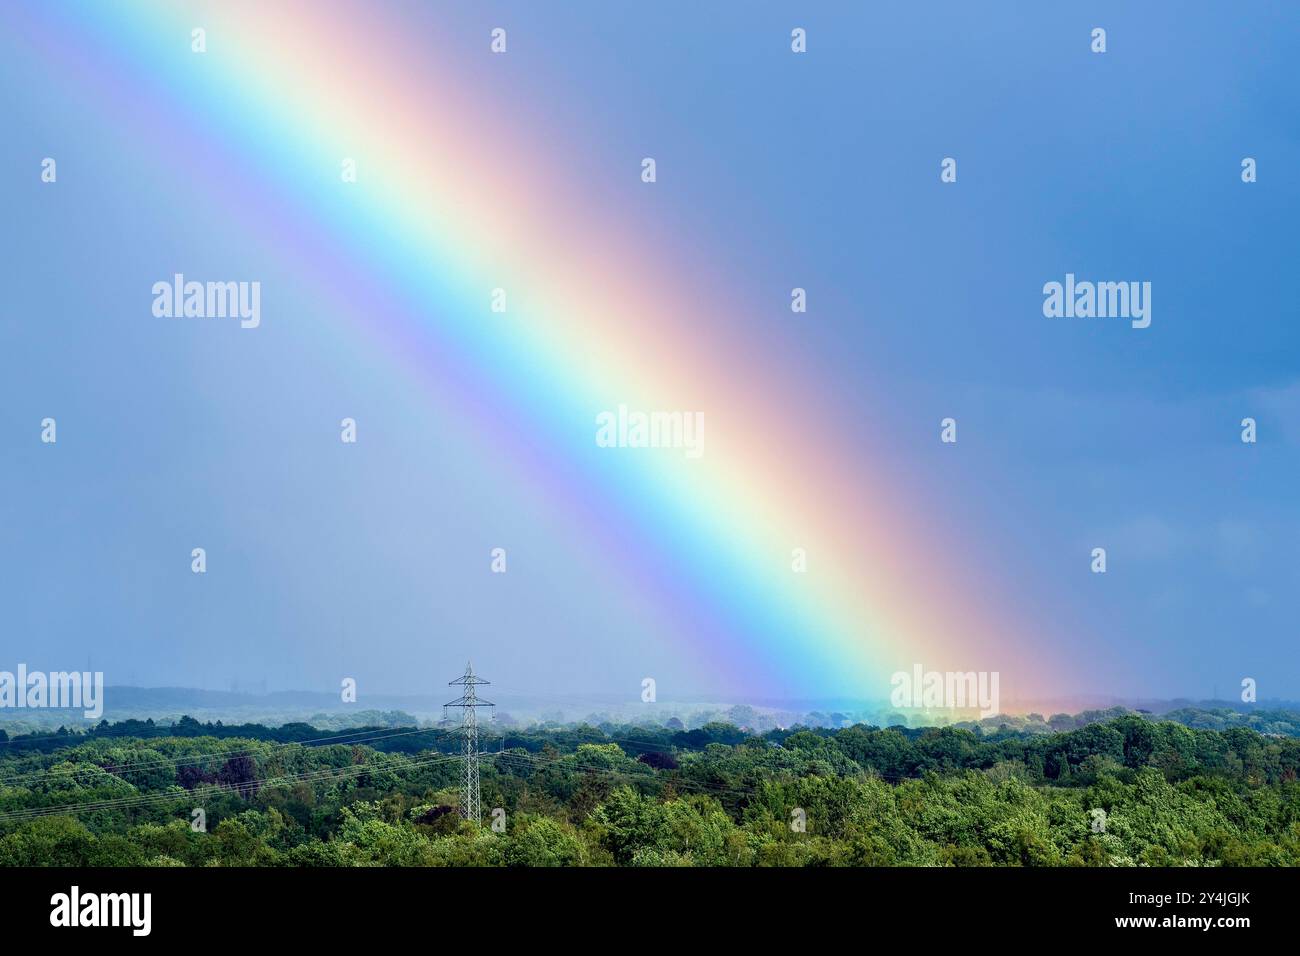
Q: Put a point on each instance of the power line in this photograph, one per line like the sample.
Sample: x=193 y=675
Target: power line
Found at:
x=560 y=760
x=676 y=783
x=139 y=800
x=359 y=737
x=534 y=761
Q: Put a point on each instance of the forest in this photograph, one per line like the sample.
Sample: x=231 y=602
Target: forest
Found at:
x=1130 y=790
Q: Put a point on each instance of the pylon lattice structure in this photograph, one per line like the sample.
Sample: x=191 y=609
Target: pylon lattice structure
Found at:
x=467 y=702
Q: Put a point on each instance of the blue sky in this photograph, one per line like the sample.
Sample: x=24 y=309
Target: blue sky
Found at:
x=926 y=302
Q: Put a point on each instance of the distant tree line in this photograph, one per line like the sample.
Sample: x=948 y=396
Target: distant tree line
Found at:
x=1127 y=791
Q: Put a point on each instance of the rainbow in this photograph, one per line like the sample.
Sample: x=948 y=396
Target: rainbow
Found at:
x=450 y=204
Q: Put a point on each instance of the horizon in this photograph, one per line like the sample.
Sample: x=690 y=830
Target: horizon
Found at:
x=302 y=702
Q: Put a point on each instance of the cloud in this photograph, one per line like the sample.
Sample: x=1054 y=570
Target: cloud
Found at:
x=1282 y=404
x=1239 y=545
x=1146 y=537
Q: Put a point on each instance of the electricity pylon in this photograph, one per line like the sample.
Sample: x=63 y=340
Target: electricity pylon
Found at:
x=469 y=804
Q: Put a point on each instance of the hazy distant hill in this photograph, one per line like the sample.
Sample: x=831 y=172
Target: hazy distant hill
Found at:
x=167 y=705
